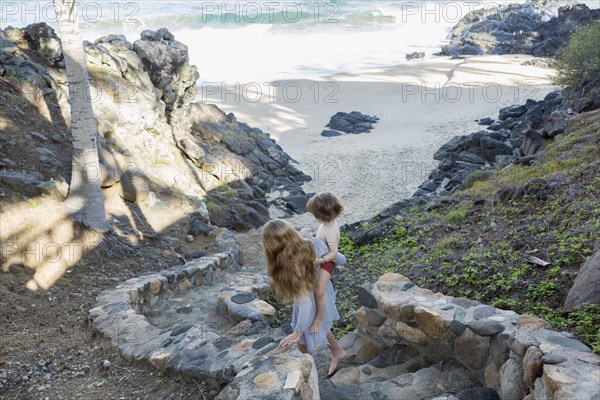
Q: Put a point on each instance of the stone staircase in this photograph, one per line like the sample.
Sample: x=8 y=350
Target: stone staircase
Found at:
x=207 y=320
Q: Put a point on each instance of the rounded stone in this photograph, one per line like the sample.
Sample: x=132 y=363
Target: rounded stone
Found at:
x=267 y=381
x=242 y=298
x=486 y=328
x=181 y=328
x=365 y=298
x=553 y=359
x=561 y=340
x=134 y=187
x=478 y=394
x=265 y=308
x=532 y=366
x=404 y=380
x=262 y=342
x=531 y=323
x=484 y=312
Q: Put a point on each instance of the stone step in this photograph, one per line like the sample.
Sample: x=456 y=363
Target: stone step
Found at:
x=204 y=321
x=440 y=380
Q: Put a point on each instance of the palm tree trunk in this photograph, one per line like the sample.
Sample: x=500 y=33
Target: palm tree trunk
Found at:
x=85 y=202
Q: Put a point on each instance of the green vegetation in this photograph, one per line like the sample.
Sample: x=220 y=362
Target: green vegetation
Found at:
x=214 y=209
x=455 y=216
x=579 y=65
x=480 y=251
x=225 y=190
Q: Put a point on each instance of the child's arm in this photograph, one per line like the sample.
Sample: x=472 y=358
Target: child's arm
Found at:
x=332 y=243
x=320 y=300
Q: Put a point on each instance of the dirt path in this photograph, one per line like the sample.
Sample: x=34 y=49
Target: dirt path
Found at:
x=48 y=350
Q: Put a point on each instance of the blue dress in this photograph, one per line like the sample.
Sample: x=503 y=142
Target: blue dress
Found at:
x=305 y=309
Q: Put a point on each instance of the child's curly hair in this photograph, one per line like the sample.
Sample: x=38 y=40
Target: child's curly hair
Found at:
x=324 y=206
x=290 y=260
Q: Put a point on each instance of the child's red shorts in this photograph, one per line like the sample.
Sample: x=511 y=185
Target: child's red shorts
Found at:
x=328 y=266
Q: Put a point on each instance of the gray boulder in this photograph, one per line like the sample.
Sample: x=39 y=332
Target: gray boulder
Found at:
x=134 y=186
x=586 y=288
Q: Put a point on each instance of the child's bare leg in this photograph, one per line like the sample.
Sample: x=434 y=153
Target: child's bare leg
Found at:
x=320 y=300
x=337 y=353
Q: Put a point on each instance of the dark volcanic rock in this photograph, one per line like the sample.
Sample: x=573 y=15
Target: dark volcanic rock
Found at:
x=353 y=122
x=518 y=29
x=415 y=55
x=511 y=112
x=331 y=133
x=199 y=228
x=485 y=121
x=478 y=394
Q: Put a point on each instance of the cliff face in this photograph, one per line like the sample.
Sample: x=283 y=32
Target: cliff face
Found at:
x=149 y=124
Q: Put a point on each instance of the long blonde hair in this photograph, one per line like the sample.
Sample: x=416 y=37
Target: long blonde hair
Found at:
x=290 y=260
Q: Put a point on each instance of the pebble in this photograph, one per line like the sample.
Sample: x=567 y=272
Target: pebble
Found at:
x=106 y=364
x=189 y=238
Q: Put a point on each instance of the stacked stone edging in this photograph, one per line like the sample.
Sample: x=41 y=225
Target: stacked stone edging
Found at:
x=244 y=357
x=117 y=313
x=516 y=355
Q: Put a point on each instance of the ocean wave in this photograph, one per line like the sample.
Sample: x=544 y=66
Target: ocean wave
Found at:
x=368 y=18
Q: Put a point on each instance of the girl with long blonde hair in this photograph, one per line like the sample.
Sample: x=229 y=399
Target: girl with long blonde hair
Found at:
x=290 y=265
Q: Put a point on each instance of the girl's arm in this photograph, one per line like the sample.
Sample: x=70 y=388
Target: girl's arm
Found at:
x=324 y=277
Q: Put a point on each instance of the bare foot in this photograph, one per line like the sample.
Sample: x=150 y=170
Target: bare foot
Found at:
x=336 y=357
x=314 y=328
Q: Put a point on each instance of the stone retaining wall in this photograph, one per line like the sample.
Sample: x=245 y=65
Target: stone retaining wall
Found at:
x=118 y=312
x=244 y=357
x=517 y=355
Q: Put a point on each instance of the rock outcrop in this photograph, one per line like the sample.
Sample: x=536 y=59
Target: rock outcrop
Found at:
x=354 y=122
x=586 y=288
x=144 y=96
x=534 y=28
x=508 y=356
x=514 y=138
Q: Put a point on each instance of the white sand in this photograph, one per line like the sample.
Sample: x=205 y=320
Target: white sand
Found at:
x=420 y=104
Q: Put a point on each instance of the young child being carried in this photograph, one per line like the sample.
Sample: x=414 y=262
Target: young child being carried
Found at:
x=290 y=265
x=326 y=208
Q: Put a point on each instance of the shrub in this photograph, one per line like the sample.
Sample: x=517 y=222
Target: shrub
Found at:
x=455 y=216
x=578 y=67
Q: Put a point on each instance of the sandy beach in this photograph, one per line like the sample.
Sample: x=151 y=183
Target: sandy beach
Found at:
x=421 y=104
